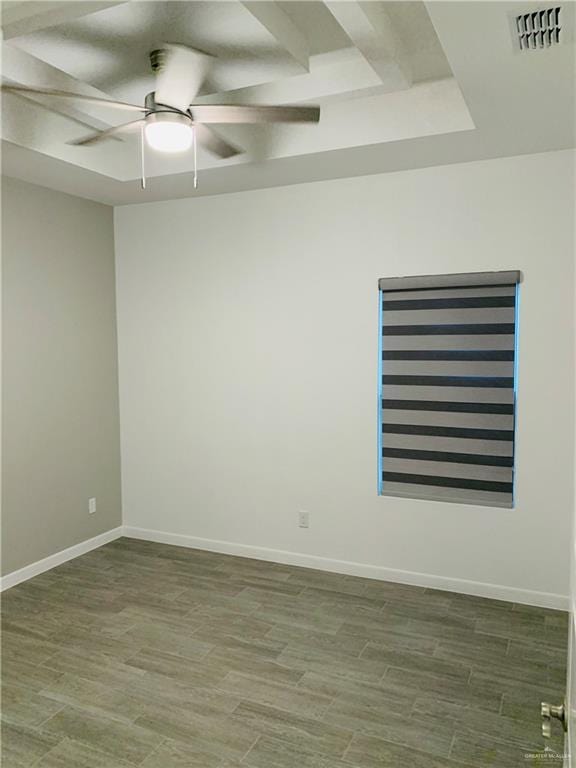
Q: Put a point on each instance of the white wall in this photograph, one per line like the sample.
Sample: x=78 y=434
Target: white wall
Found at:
x=60 y=425
x=248 y=340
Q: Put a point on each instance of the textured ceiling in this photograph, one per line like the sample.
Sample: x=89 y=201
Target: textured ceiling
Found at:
x=380 y=71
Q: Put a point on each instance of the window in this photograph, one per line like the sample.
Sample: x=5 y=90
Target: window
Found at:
x=448 y=387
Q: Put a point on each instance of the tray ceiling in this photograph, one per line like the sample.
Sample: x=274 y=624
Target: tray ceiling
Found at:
x=389 y=76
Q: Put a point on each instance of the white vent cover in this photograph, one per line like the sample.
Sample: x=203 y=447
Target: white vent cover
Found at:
x=538 y=29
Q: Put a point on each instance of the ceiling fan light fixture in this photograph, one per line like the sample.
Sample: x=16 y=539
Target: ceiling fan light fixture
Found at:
x=169 y=132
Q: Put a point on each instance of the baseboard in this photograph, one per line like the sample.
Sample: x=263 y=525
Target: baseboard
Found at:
x=479 y=589
x=40 y=566
x=378 y=572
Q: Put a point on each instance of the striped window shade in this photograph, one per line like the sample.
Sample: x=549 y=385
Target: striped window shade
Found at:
x=448 y=387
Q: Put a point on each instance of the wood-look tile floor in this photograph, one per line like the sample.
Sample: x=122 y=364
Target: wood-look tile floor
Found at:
x=142 y=654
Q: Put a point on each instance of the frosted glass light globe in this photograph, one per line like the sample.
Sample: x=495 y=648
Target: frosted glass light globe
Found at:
x=168 y=132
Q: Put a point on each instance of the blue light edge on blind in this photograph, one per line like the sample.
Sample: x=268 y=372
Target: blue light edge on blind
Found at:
x=516 y=357
x=379 y=393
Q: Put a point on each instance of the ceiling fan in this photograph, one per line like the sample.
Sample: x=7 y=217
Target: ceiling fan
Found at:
x=170 y=121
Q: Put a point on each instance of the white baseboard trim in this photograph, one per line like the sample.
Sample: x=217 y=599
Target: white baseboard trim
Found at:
x=381 y=573
x=378 y=572
x=40 y=566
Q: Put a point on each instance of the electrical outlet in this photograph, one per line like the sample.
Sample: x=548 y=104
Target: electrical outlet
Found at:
x=91 y=506
x=303 y=519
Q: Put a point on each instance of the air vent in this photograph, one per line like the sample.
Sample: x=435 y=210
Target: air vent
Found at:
x=538 y=29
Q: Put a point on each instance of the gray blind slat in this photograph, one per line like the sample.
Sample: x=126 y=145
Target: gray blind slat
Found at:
x=478 y=341
x=448 y=367
x=450 y=469
x=448 y=394
x=472 y=420
x=449 y=316
x=449 y=444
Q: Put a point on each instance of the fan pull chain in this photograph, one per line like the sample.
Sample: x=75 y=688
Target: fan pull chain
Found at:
x=195 y=157
x=142 y=156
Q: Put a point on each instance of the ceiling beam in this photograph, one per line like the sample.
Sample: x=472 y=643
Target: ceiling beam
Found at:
x=333 y=76
x=22 y=68
x=22 y=18
x=370 y=29
x=282 y=28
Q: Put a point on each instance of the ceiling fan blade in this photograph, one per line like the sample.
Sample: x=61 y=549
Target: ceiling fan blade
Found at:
x=26 y=91
x=118 y=130
x=241 y=113
x=214 y=144
x=180 y=76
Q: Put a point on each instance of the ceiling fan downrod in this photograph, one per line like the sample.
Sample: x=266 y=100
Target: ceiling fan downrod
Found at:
x=157 y=59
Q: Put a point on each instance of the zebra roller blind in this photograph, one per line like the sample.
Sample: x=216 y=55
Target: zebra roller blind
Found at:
x=448 y=387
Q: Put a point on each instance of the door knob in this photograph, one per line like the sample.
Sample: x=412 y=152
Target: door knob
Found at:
x=548 y=712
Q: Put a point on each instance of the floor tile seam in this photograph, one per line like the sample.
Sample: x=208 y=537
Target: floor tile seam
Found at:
x=403 y=744
x=91 y=710
x=123 y=633
x=291 y=686
x=428 y=673
x=152 y=751
x=16 y=723
x=463 y=730
x=311 y=750
x=382 y=677
x=39 y=759
x=250 y=748
x=80 y=676
x=343 y=655
x=179 y=657
x=418 y=654
x=450 y=751
x=364 y=647
x=319 y=720
x=349 y=747
x=485 y=669
x=48 y=717
x=528 y=742
x=43 y=662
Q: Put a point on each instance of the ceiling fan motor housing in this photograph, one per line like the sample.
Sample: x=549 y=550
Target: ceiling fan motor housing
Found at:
x=151 y=105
